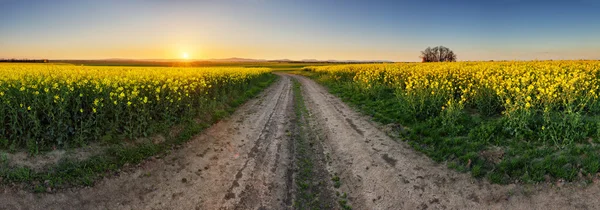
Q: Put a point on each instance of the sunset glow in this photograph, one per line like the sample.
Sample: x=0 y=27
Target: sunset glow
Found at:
x=361 y=30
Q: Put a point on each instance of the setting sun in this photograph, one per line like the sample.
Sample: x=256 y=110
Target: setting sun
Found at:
x=185 y=55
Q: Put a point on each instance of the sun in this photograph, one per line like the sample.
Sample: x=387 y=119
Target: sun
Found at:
x=185 y=55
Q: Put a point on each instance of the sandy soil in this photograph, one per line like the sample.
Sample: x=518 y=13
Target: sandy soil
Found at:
x=247 y=162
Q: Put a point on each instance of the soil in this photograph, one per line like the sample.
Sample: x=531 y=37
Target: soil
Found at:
x=45 y=160
x=247 y=161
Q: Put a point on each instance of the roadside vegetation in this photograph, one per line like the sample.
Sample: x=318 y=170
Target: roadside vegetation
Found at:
x=507 y=121
x=311 y=177
x=47 y=107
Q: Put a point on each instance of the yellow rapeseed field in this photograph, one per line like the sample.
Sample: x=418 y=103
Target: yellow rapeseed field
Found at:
x=539 y=119
x=519 y=85
x=46 y=104
x=521 y=92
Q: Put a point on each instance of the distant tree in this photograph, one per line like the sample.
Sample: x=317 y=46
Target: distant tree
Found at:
x=438 y=54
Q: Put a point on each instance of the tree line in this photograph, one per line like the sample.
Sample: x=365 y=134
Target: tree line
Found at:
x=23 y=60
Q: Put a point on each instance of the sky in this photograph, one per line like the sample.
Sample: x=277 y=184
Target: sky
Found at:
x=299 y=29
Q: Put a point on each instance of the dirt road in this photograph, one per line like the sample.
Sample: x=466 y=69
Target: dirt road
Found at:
x=251 y=160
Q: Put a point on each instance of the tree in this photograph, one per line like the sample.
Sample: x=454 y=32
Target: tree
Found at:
x=438 y=54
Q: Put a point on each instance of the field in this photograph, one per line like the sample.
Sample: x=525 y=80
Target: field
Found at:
x=509 y=121
x=274 y=65
x=47 y=106
x=58 y=107
x=465 y=135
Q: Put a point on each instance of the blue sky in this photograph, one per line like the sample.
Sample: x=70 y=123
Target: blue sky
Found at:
x=274 y=29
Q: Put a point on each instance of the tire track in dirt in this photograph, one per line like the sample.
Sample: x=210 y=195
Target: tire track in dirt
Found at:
x=266 y=168
x=381 y=173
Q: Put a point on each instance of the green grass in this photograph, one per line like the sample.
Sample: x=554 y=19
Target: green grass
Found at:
x=480 y=143
x=69 y=173
x=307 y=190
x=343 y=201
x=308 y=194
x=336 y=181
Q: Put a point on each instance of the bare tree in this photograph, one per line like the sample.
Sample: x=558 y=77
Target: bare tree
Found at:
x=438 y=54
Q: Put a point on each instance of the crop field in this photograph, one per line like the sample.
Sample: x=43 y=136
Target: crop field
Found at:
x=299 y=105
x=47 y=106
x=465 y=135
x=509 y=121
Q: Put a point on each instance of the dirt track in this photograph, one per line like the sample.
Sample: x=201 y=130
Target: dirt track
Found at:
x=247 y=162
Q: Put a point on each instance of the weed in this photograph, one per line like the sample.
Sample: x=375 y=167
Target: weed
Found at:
x=336 y=181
